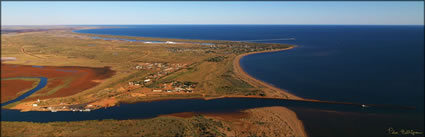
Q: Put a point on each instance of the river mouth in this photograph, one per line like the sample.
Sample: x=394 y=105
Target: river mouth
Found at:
x=316 y=116
x=320 y=120
x=144 y=110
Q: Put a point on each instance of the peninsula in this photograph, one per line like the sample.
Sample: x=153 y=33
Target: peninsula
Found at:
x=87 y=72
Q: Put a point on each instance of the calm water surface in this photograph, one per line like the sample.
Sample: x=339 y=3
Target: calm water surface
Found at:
x=362 y=64
x=365 y=64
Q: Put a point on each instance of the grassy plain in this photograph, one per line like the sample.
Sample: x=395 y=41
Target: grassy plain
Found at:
x=66 y=48
x=25 y=84
x=210 y=66
x=265 y=122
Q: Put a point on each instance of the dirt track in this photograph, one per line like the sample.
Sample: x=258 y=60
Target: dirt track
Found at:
x=26 y=53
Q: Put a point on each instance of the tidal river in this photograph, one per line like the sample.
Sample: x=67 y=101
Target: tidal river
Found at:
x=40 y=85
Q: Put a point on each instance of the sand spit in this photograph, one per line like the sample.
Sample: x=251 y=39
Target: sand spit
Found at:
x=270 y=90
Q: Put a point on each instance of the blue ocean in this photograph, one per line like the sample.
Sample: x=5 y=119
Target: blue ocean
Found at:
x=361 y=64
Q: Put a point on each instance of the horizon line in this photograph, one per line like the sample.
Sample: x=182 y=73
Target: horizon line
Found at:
x=216 y=24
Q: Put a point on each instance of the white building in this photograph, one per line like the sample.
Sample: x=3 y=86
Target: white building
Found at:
x=170 y=42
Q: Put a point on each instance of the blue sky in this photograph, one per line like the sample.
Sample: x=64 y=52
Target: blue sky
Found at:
x=284 y=12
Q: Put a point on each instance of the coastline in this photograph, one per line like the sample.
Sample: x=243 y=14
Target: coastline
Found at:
x=271 y=91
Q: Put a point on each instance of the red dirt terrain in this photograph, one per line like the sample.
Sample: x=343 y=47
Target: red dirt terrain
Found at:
x=12 y=88
x=67 y=80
